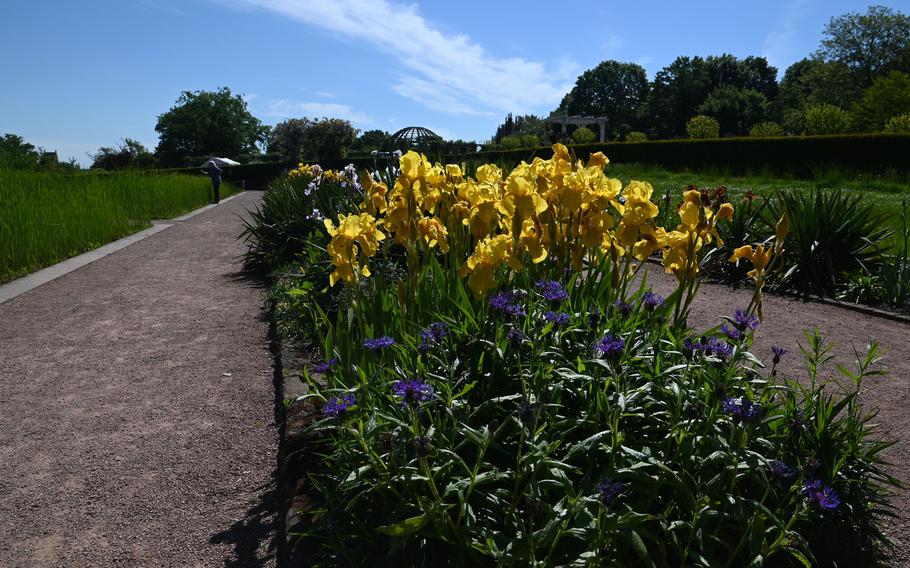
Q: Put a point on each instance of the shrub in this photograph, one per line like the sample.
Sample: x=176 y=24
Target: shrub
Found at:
x=888 y=96
x=511 y=142
x=827 y=119
x=899 y=124
x=636 y=137
x=766 y=130
x=832 y=233
x=530 y=140
x=584 y=135
x=702 y=126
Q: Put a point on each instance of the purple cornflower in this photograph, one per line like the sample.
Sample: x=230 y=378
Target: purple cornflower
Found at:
x=624 y=308
x=778 y=352
x=717 y=347
x=379 y=343
x=820 y=496
x=689 y=348
x=507 y=302
x=558 y=319
x=609 y=490
x=652 y=300
x=611 y=347
x=433 y=335
x=781 y=471
x=515 y=337
x=413 y=391
x=552 y=290
x=324 y=367
x=744 y=320
x=338 y=407
x=743 y=409
x=731 y=332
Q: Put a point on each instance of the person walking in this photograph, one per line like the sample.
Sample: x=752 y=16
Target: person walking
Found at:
x=215 y=174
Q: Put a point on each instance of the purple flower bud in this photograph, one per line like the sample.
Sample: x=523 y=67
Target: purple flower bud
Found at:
x=609 y=490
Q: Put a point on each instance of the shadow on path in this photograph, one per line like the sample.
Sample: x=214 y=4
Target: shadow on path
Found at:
x=254 y=538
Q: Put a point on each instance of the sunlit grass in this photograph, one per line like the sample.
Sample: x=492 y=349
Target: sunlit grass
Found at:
x=46 y=218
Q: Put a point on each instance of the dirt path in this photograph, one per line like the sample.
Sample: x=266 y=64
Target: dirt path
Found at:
x=785 y=320
x=136 y=409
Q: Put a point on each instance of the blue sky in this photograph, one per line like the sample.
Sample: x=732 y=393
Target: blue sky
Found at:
x=79 y=75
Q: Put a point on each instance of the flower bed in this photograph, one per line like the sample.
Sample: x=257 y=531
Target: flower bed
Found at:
x=498 y=386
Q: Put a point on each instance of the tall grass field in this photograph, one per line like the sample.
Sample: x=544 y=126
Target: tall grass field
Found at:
x=46 y=218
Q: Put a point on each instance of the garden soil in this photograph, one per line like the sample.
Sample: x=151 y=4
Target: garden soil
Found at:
x=137 y=409
x=784 y=321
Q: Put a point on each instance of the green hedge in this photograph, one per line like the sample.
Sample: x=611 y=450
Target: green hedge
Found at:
x=247 y=176
x=802 y=156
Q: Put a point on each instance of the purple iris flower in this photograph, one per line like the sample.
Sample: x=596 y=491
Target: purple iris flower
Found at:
x=611 y=347
x=552 y=290
x=339 y=406
x=819 y=495
x=413 y=391
x=379 y=343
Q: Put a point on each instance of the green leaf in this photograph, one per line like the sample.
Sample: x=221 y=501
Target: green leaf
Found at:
x=405 y=527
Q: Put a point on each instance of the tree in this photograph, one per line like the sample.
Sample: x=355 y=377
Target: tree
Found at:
x=735 y=109
x=525 y=125
x=130 y=154
x=614 y=90
x=289 y=138
x=827 y=119
x=378 y=140
x=329 y=139
x=870 y=44
x=205 y=123
x=680 y=88
x=815 y=82
x=702 y=126
x=888 y=96
x=17 y=154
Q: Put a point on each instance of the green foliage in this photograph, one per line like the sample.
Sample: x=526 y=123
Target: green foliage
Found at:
x=888 y=96
x=748 y=226
x=378 y=140
x=524 y=126
x=48 y=217
x=330 y=138
x=826 y=119
x=290 y=139
x=131 y=154
x=735 y=109
x=614 y=90
x=899 y=124
x=862 y=288
x=17 y=154
x=290 y=218
x=870 y=44
x=207 y=123
x=766 y=130
x=540 y=450
x=811 y=82
x=702 y=126
x=832 y=234
x=583 y=135
x=636 y=137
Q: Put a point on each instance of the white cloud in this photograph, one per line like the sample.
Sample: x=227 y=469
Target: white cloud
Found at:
x=780 y=47
x=450 y=73
x=325 y=94
x=285 y=108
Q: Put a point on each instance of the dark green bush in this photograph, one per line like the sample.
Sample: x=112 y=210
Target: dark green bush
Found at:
x=832 y=233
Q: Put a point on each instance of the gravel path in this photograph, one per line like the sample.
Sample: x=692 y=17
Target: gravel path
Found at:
x=785 y=320
x=136 y=409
